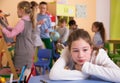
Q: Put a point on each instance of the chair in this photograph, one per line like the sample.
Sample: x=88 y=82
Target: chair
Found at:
x=44 y=56
x=56 y=55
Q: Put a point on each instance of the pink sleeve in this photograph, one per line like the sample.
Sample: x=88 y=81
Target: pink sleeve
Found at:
x=9 y=27
x=15 y=31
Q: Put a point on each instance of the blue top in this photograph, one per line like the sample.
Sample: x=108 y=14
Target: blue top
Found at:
x=46 y=25
x=97 y=39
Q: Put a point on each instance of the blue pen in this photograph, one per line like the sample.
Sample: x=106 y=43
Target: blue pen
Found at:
x=22 y=72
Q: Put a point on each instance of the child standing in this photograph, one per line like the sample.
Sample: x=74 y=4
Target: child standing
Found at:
x=44 y=20
x=45 y=26
x=99 y=36
x=24 y=50
x=36 y=33
x=63 y=31
x=81 y=61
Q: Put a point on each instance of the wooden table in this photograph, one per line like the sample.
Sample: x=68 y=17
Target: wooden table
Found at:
x=115 y=43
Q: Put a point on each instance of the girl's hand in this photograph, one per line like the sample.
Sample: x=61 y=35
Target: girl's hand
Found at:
x=66 y=67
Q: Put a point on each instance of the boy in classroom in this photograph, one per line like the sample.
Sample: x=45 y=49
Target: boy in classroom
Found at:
x=72 y=26
x=81 y=61
x=63 y=31
x=44 y=20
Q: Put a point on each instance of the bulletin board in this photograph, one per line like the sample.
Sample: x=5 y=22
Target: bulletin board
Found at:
x=81 y=11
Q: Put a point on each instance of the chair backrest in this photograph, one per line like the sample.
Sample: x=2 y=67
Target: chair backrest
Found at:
x=44 y=54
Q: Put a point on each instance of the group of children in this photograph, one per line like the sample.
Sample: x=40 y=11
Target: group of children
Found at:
x=78 y=60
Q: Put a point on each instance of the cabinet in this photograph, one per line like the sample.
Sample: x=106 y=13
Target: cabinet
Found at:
x=61 y=11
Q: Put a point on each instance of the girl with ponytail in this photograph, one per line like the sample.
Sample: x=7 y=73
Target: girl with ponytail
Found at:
x=24 y=50
x=99 y=36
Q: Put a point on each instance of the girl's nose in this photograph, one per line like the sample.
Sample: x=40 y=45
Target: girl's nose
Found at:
x=80 y=54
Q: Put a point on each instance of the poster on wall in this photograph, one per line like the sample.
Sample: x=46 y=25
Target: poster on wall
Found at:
x=62 y=1
x=81 y=11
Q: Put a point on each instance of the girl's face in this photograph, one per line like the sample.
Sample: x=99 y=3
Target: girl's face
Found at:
x=20 y=12
x=36 y=8
x=80 y=51
x=94 y=28
x=43 y=8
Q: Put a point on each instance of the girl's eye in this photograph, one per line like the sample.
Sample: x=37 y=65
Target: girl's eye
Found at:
x=75 y=51
x=85 y=50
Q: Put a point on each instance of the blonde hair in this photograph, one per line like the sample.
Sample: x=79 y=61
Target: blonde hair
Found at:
x=28 y=10
x=34 y=13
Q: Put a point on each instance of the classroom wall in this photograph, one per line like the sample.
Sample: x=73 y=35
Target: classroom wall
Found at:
x=86 y=22
x=82 y=22
x=115 y=20
x=103 y=14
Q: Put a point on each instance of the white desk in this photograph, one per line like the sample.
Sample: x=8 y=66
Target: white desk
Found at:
x=45 y=78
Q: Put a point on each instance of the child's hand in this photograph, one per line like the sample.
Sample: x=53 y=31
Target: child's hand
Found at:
x=66 y=67
x=41 y=22
x=46 y=31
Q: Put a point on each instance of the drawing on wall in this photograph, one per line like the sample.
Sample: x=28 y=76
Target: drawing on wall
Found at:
x=62 y=1
x=81 y=11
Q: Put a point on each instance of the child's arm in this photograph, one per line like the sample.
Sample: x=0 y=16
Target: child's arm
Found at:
x=15 y=31
x=50 y=29
x=104 y=68
x=59 y=72
x=65 y=35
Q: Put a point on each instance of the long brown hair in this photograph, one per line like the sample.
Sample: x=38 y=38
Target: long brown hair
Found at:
x=79 y=33
x=28 y=10
x=75 y=35
x=101 y=29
